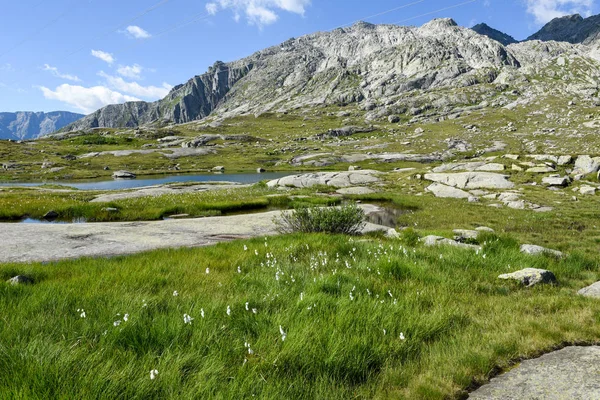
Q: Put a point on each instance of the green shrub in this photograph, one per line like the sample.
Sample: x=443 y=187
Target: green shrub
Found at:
x=347 y=219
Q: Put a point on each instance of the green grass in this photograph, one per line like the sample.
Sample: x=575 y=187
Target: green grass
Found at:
x=459 y=322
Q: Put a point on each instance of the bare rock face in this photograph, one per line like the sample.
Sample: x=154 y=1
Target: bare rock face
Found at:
x=343 y=179
x=32 y=125
x=472 y=180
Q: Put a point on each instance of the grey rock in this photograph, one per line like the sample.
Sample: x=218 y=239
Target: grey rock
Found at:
x=356 y=190
x=531 y=276
x=587 y=190
x=20 y=280
x=591 y=291
x=123 y=175
x=32 y=125
x=586 y=165
x=461 y=235
x=564 y=160
x=557 y=182
x=470 y=166
x=433 y=240
x=335 y=179
x=260 y=170
x=540 y=170
x=571 y=373
x=50 y=215
x=444 y=191
x=219 y=168
x=472 y=180
x=535 y=250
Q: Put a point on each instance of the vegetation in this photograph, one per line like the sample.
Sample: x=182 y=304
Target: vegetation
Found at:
x=301 y=316
x=347 y=219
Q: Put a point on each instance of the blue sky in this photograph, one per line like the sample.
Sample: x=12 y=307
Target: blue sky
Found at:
x=79 y=55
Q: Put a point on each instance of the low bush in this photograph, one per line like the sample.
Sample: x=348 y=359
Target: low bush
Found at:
x=347 y=219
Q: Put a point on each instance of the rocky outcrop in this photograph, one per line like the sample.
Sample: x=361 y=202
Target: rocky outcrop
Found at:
x=335 y=179
x=32 y=125
x=472 y=180
x=531 y=276
x=571 y=28
x=484 y=29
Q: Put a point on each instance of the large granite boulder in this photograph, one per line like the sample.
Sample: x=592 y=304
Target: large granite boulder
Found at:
x=472 y=180
x=531 y=276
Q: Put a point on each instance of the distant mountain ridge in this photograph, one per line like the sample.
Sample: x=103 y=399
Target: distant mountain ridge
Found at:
x=32 y=125
x=571 y=28
x=484 y=29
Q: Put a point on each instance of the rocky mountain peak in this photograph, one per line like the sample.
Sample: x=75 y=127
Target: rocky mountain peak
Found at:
x=570 y=28
x=31 y=125
x=484 y=29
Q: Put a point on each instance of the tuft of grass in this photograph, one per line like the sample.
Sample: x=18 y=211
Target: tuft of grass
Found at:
x=346 y=219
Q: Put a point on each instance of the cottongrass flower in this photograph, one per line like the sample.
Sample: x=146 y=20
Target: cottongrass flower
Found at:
x=175 y=293
x=384 y=332
x=187 y=319
x=207 y=271
x=126 y=317
x=117 y=323
x=145 y=304
x=202 y=312
x=402 y=336
x=228 y=310
x=256 y=252
x=239 y=270
x=82 y=312
x=153 y=374
x=254 y=311
x=245 y=248
x=283 y=334
x=247 y=309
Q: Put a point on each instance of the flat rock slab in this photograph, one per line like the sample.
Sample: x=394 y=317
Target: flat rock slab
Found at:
x=356 y=190
x=52 y=242
x=531 y=276
x=469 y=166
x=535 y=250
x=433 y=240
x=591 y=291
x=472 y=180
x=572 y=373
x=445 y=191
x=334 y=179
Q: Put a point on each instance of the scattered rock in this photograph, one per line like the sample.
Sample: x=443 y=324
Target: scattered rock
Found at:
x=433 y=240
x=444 y=191
x=535 y=250
x=462 y=235
x=564 y=160
x=586 y=165
x=123 y=175
x=392 y=234
x=219 y=168
x=591 y=291
x=393 y=119
x=472 y=180
x=540 y=170
x=20 y=280
x=531 y=276
x=556 y=182
x=470 y=166
x=50 y=215
x=587 y=190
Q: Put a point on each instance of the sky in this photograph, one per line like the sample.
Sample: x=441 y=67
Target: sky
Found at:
x=79 y=55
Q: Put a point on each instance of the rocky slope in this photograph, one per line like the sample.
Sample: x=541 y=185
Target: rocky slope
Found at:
x=385 y=70
x=31 y=125
x=484 y=29
x=571 y=29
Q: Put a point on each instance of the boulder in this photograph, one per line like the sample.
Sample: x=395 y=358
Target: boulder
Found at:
x=531 y=276
x=260 y=170
x=564 y=160
x=123 y=175
x=393 y=119
x=535 y=250
x=335 y=179
x=444 y=191
x=591 y=291
x=556 y=182
x=462 y=235
x=470 y=166
x=50 y=215
x=472 y=180
x=433 y=240
x=20 y=280
x=219 y=168
x=540 y=170
x=586 y=165
x=587 y=190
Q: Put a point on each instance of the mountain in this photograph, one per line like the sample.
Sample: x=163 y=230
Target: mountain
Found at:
x=384 y=70
x=484 y=29
x=31 y=125
x=571 y=28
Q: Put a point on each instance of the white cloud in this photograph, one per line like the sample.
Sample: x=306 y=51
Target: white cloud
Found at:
x=130 y=71
x=85 y=99
x=137 y=32
x=134 y=88
x=6 y=67
x=104 y=56
x=546 y=10
x=258 y=12
x=54 y=71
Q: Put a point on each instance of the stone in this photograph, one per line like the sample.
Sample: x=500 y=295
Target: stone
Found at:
x=419 y=131
x=515 y=167
x=110 y=209
x=484 y=229
x=531 y=276
x=470 y=166
x=433 y=240
x=535 y=250
x=354 y=168
x=462 y=235
x=260 y=170
x=356 y=190
x=540 y=170
x=393 y=119
x=511 y=156
x=123 y=175
x=444 y=191
x=556 y=182
x=586 y=165
x=564 y=160
x=571 y=373
x=587 y=190
x=335 y=179
x=50 y=215
x=515 y=205
x=591 y=291
x=472 y=180
x=392 y=234
x=20 y=280
x=219 y=168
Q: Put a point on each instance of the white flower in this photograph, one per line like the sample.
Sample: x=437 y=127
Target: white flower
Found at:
x=245 y=248
x=351 y=297
x=301 y=296
x=239 y=270
x=126 y=317
x=187 y=319
x=153 y=374
x=247 y=307
x=202 y=312
x=82 y=312
x=402 y=336
x=207 y=271
x=256 y=252
x=384 y=332
x=228 y=310
x=283 y=334
x=145 y=304
x=254 y=311
x=117 y=323
x=175 y=293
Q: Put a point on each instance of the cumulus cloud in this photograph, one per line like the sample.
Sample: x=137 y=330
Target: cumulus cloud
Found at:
x=134 y=88
x=258 y=12
x=54 y=71
x=137 y=32
x=546 y=10
x=130 y=71
x=104 y=56
x=85 y=99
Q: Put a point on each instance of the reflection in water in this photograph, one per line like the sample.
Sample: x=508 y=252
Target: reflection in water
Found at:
x=386 y=216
